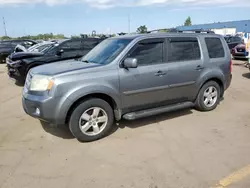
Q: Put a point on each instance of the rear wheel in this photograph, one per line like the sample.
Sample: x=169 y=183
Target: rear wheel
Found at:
x=208 y=97
x=91 y=120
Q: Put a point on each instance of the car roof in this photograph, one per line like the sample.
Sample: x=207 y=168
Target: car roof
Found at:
x=162 y=35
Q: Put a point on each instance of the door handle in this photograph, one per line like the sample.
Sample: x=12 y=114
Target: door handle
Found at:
x=160 y=73
x=199 y=67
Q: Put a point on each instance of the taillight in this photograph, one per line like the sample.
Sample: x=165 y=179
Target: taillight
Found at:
x=231 y=65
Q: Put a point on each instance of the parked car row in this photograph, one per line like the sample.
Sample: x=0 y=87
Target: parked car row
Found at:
x=130 y=77
x=20 y=63
x=7 y=47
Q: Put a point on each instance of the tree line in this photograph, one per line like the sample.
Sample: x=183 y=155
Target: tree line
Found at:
x=144 y=29
x=48 y=36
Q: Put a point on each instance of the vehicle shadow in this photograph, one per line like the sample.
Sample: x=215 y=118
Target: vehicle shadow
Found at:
x=153 y=119
x=246 y=75
x=64 y=132
x=20 y=84
x=59 y=131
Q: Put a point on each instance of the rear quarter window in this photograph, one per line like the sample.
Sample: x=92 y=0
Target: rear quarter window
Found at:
x=215 y=47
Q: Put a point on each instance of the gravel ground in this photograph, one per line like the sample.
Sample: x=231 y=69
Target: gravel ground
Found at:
x=186 y=149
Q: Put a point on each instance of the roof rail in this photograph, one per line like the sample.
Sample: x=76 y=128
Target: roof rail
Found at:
x=174 y=30
x=195 y=31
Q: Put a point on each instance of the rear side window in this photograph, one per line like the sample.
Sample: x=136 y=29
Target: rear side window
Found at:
x=72 y=45
x=89 y=44
x=183 y=49
x=215 y=48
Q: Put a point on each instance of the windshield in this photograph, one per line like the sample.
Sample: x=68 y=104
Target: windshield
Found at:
x=106 y=51
x=43 y=47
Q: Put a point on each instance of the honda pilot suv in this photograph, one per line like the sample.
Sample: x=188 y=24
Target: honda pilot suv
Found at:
x=130 y=77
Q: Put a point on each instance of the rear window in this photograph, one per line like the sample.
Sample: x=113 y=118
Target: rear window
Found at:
x=215 y=48
x=183 y=49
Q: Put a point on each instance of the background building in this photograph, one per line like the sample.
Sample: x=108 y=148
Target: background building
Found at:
x=224 y=28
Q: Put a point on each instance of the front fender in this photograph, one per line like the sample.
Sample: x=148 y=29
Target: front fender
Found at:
x=100 y=89
x=72 y=96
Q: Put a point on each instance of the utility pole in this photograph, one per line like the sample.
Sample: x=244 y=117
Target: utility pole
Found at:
x=4 y=25
x=129 y=21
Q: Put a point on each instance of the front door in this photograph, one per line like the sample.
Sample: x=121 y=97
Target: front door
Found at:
x=71 y=49
x=185 y=65
x=143 y=87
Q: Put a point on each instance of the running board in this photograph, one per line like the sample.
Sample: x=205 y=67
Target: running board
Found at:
x=158 y=110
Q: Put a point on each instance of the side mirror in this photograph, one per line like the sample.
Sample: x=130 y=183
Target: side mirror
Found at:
x=130 y=63
x=60 y=52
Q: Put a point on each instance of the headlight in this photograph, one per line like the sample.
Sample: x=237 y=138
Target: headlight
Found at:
x=14 y=63
x=41 y=83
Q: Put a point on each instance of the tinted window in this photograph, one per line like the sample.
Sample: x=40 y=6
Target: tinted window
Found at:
x=183 y=49
x=238 y=39
x=89 y=44
x=75 y=44
x=148 y=53
x=215 y=47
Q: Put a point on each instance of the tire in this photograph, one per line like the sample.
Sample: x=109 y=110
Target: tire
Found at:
x=86 y=109
x=201 y=103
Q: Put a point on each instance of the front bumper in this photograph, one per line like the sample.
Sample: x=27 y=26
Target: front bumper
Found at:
x=51 y=110
x=16 y=73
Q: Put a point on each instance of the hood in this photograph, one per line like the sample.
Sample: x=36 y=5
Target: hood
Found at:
x=243 y=46
x=24 y=55
x=62 y=67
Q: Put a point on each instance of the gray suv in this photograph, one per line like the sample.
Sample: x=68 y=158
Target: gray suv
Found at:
x=130 y=77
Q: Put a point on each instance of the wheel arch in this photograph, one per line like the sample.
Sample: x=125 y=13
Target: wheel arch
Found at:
x=110 y=100
x=216 y=79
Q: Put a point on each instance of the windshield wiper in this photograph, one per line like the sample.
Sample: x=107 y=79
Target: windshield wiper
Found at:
x=85 y=61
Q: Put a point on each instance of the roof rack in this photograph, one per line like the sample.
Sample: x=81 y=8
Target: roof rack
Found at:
x=174 y=30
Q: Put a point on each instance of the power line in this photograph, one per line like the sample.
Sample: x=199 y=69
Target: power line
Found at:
x=4 y=25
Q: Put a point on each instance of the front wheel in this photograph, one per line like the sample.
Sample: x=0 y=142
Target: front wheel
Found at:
x=208 y=97
x=91 y=120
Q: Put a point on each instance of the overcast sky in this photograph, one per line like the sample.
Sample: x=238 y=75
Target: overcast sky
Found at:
x=72 y=17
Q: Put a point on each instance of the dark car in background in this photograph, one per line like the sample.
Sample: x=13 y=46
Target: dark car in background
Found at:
x=233 y=41
x=239 y=52
x=8 y=46
x=20 y=63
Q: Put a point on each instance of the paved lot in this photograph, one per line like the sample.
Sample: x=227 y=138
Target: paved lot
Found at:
x=187 y=149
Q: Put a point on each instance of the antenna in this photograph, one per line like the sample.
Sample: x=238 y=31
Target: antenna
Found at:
x=129 y=21
x=4 y=25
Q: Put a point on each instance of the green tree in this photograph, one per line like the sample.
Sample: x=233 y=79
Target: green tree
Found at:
x=142 y=29
x=188 y=21
x=5 y=38
x=163 y=30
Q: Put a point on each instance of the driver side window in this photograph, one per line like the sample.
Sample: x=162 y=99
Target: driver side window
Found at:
x=148 y=52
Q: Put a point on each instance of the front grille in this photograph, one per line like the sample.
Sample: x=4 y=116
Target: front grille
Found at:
x=240 y=50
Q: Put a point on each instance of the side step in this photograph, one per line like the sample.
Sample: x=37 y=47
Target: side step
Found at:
x=158 y=110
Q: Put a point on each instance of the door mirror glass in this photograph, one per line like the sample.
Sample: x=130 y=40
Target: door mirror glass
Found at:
x=60 y=52
x=130 y=63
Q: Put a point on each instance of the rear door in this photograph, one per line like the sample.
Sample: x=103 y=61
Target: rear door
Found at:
x=144 y=86
x=185 y=65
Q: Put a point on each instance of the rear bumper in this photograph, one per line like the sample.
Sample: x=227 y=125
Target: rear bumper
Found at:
x=228 y=81
x=3 y=58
